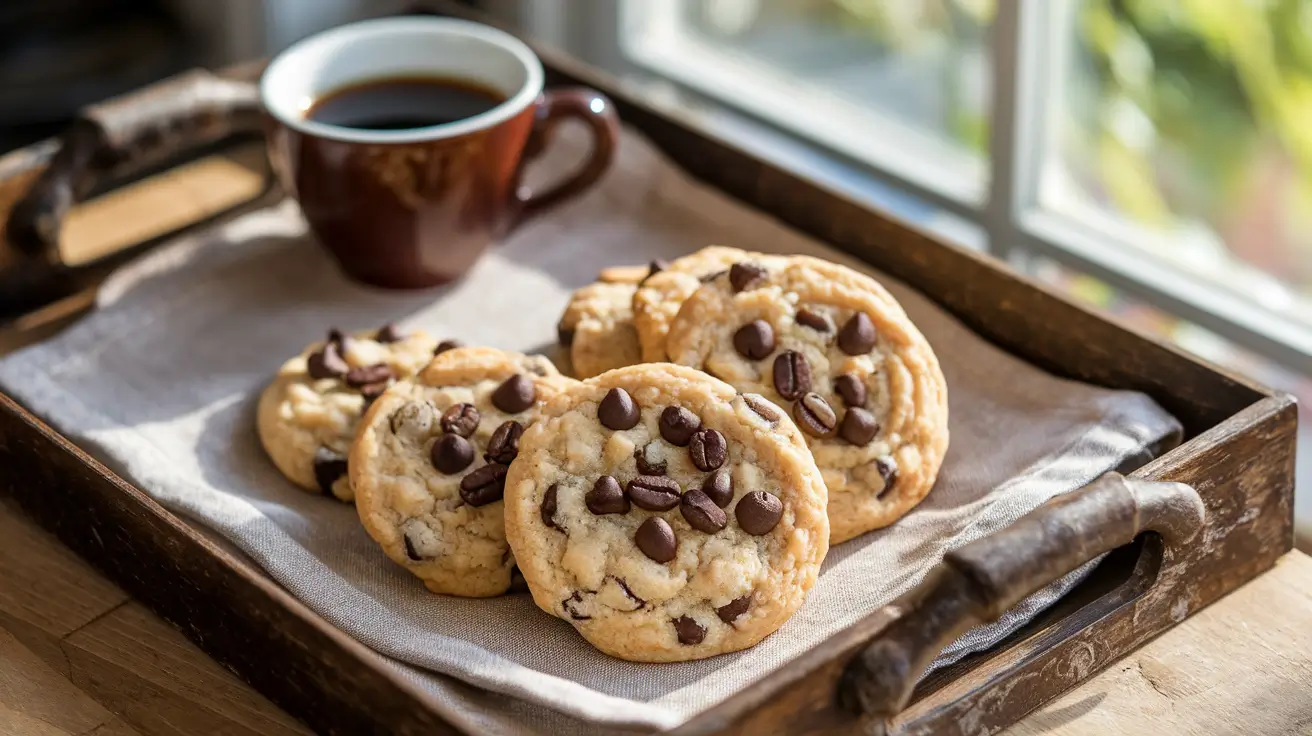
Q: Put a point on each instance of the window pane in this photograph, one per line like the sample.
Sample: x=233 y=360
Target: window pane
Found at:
x=1193 y=122
x=905 y=80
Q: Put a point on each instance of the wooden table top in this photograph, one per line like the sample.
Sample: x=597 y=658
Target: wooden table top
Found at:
x=78 y=656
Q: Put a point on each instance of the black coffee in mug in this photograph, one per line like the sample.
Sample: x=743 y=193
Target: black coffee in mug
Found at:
x=400 y=103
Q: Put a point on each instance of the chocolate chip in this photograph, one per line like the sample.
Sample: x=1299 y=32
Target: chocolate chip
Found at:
x=851 y=388
x=713 y=276
x=688 y=630
x=745 y=274
x=410 y=550
x=548 y=510
x=754 y=340
x=606 y=497
x=446 y=345
x=515 y=394
x=677 y=425
x=656 y=266
x=570 y=606
x=461 y=419
x=758 y=512
x=649 y=460
x=376 y=373
x=887 y=471
x=814 y=320
x=656 y=539
x=708 y=449
x=388 y=333
x=484 y=485
x=719 y=487
x=701 y=512
x=858 y=335
x=859 y=426
x=451 y=453
x=329 y=467
x=792 y=375
x=371 y=391
x=336 y=337
x=503 y=447
x=654 y=492
x=815 y=416
x=624 y=586
x=326 y=363
x=763 y=408
x=617 y=410
x=564 y=336
x=730 y=611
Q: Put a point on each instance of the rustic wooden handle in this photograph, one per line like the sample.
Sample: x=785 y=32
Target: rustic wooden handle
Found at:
x=123 y=135
x=980 y=581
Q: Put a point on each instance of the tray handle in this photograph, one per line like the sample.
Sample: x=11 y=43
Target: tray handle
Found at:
x=980 y=581
x=126 y=134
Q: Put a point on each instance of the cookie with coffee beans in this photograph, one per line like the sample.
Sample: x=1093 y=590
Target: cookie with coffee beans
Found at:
x=429 y=465
x=308 y=415
x=658 y=298
x=834 y=348
x=664 y=515
x=597 y=328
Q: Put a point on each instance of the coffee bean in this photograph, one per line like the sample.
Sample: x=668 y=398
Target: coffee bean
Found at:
x=654 y=492
x=814 y=320
x=548 y=509
x=857 y=336
x=851 y=388
x=859 y=426
x=719 y=487
x=515 y=394
x=329 y=467
x=708 y=449
x=763 y=408
x=815 y=416
x=484 y=485
x=571 y=606
x=410 y=550
x=677 y=425
x=446 y=345
x=564 y=336
x=792 y=375
x=451 y=453
x=730 y=611
x=388 y=333
x=648 y=459
x=617 y=410
x=688 y=630
x=745 y=275
x=371 y=391
x=503 y=447
x=656 y=539
x=327 y=362
x=701 y=512
x=758 y=512
x=606 y=497
x=754 y=340
x=461 y=419
x=376 y=373
x=887 y=471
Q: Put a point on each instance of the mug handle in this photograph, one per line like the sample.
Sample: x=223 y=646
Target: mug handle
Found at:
x=597 y=112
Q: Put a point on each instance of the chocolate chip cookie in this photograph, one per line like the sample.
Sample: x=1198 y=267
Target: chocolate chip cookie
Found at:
x=307 y=417
x=429 y=465
x=664 y=515
x=597 y=328
x=834 y=349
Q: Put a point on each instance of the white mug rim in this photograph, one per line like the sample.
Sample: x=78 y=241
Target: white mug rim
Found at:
x=291 y=112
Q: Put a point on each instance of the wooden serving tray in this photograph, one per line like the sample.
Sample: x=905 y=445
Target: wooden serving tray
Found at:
x=1184 y=529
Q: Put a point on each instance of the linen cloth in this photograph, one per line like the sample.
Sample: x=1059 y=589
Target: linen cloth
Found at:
x=161 y=383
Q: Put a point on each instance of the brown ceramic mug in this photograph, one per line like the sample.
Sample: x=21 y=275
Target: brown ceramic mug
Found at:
x=416 y=207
